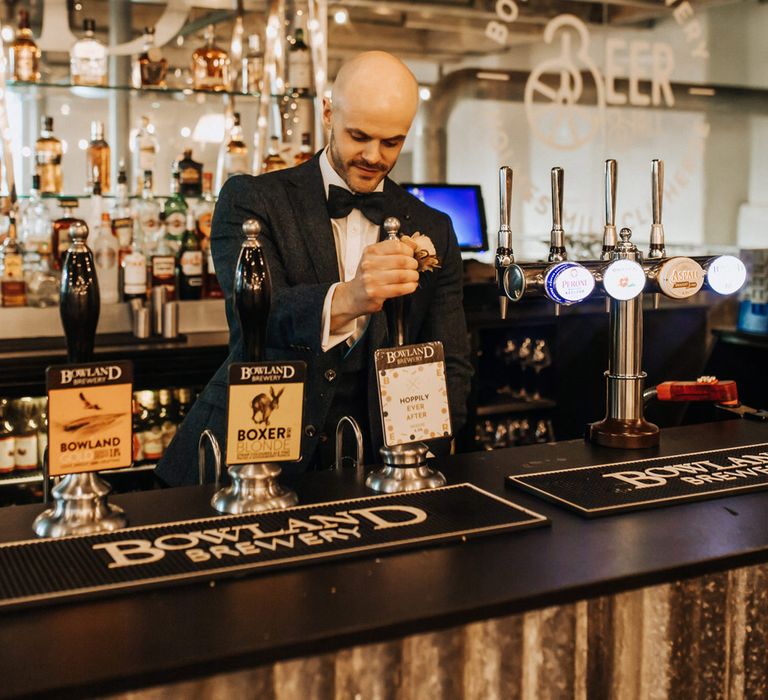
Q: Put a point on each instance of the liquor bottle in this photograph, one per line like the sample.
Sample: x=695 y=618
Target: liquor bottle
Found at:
x=43 y=281
x=148 y=215
x=88 y=58
x=134 y=267
x=151 y=431
x=36 y=225
x=13 y=288
x=274 y=161
x=305 y=152
x=166 y=416
x=204 y=209
x=190 y=175
x=252 y=77
x=48 y=153
x=236 y=157
x=24 y=54
x=151 y=64
x=190 y=263
x=7 y=439
x=175 y=215
x=210 y=65
x=105 y=258
x=97 y=159
x=138 y=447
x=42 y=429
x=299 y=65
x=95 y=207
x=144 y=147
x=162 y=266
x=120 y=214
x=184 y=401
x=211 y=287
x=25 y=435
x=60 y=243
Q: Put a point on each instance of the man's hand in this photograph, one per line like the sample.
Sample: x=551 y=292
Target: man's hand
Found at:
x=387 y=269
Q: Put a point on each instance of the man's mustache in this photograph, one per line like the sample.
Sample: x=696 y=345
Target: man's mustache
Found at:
x=368 y=166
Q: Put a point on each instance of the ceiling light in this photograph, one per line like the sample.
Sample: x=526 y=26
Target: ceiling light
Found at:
x=425 y=93
x=341 y=15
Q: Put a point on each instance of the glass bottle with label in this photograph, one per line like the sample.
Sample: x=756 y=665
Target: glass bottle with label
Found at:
x=166 y=416
x=120 y=214
x=25 y=435
x=252 y=79
x=61 y=230
x=175 y=214
x=36 y=224
x=210 y=65
x=94 y=206
x=13 y=287
x=274 y=161
x=144 y=147
x=105 y=258
x=305 y=152
x=151 y=430
x=97 y=159
x=236 y=156
x=24 y=54
x=190 y=175
x=42 y=429
x=48 y=153
x=148 y=215
x=190 y=263
x=211 y=287
x=204 y=208
x=184 y=400
x=151 y=64
x=7 y=439
x=43 y=281
x=88 y=58
x=299 y=65
x=134 y=267
x=162 y=265
x=138 y=435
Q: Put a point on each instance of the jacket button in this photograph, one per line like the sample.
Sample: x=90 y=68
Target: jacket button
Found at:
x=330 y=374
x=310 y=431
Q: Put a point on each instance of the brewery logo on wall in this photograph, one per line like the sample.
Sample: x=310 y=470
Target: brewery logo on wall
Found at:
x=265 y=409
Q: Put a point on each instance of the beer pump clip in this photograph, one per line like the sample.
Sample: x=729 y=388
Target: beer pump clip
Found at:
x=405 y=466
x=80 y=505
x=621 y=275
x=254 y=486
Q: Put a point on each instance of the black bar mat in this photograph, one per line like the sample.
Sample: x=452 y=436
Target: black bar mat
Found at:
x=605 y=489
x=39 y=571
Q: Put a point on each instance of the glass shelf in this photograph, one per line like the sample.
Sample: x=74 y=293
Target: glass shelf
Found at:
x=96 y=91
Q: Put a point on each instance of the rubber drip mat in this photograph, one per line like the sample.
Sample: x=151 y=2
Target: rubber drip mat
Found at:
x=605 y=489
x=38 y=571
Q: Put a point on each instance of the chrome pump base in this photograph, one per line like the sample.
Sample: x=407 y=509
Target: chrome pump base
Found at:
x=253 y=488
x=405 y=469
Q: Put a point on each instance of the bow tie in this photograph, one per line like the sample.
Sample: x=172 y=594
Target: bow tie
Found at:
x=341 y=202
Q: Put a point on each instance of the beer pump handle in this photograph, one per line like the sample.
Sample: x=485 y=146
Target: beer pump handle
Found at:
x=253 y=292
x=609 y=231
x=79 y=300
x=657 y=249
x=504 y=254
x=395 y=307
x=557 y=252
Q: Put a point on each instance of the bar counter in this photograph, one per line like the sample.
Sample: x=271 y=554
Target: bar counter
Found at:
x=668 y=602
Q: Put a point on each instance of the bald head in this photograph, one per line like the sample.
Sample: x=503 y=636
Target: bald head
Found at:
x=375 y=98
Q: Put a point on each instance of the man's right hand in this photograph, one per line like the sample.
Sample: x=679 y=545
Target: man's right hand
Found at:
x=387 y=269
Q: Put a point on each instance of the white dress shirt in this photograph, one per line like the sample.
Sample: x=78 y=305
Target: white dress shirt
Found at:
x=351 y=234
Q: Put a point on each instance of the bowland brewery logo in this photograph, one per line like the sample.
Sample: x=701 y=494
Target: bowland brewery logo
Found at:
x=266 y=401
x=89 y=417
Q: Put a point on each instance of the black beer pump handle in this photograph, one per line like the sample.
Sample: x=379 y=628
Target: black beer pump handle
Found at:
x=396 y=307
x=79 y=301
x=253 y=292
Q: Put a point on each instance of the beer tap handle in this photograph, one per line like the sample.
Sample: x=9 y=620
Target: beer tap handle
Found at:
x=505 y=256
x=557 y=252
x=395 y=307
x=609 y=231
x=79 y=300
x=657 y=249
x=253 y=292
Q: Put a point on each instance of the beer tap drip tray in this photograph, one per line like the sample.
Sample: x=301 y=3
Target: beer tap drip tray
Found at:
x=47 y=571
x=607 y=489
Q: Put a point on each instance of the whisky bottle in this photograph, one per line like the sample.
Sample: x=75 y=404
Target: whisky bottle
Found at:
x=97 y=159
x=236 y=156
x=252 y=77
x=43 y=282
x=190 y=175
x=134 y=267
x=144 y=148
x=305 y=152
x=204 y=209
x=88 y=58
x=61 y=231
x=105 y=258
x=162 y=267
x=25 y=456
x=48 y=152
x=6 y=438
x=211 y=287
x=152 y=66
x=36 y=224
x=148 y=214
x=151 y=430
x=190 y=263
x=175 y=215
x=120 y=213
x=13 y=288
x=166 y=416
x=24 y=54
x=274 y=161
x=299 y=65
x=210 y=65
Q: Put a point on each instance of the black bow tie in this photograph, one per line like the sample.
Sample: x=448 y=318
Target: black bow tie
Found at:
x=341 y=202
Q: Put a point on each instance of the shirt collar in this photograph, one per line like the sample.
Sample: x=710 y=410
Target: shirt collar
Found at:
x=331 y=177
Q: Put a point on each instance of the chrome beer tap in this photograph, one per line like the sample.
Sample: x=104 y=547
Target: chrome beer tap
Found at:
x=505 y=256
x=557 y=252
x=609 y=230
x=657 y=249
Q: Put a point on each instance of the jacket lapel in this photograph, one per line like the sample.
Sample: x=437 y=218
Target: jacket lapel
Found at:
x=307 y=197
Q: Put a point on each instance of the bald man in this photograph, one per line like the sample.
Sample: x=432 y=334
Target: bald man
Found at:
x=331 y=272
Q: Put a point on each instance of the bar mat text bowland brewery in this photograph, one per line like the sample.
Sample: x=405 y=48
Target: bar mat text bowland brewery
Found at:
x=39 y=571
x=605 y=489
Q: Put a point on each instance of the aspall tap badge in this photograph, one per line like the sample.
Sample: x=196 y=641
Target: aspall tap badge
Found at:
x=89 y=417
x=680 y=278
x=266 y=402
x=412 y=393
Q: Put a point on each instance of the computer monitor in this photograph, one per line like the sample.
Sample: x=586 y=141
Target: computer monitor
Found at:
x=464 y=204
